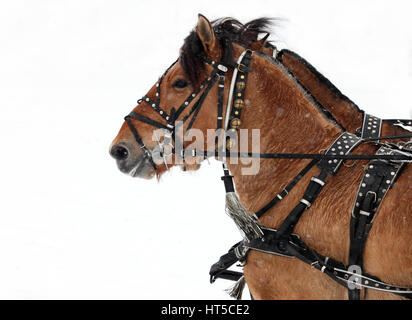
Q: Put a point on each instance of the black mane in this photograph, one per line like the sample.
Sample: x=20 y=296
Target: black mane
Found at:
x=192 y=53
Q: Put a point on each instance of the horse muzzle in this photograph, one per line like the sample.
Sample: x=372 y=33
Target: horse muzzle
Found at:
x=132 y=162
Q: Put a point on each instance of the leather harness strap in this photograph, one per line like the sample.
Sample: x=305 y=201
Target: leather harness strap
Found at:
x=371 y=127
x=378 y=178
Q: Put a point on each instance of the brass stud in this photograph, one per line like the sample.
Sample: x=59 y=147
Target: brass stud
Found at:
x=239 y=103
x=240 y=85
x=242 y=77
x=235 y=123
x=230 y=143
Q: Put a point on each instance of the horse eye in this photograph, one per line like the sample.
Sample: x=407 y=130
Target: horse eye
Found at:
x=180 y=83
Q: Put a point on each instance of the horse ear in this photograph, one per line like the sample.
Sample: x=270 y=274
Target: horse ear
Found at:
x=260 y=45
x=264 y=39
x=206 y=35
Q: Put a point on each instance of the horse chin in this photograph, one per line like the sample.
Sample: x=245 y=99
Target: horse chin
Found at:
x=145 y=170
x=190 y=167
x=147 y=175
x=142 y=169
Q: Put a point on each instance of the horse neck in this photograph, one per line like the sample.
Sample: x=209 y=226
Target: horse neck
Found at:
x=346 y=112
x=341 y=107
x=289 y=121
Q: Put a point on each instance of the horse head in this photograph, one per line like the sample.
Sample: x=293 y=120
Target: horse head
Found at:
x=184 y=92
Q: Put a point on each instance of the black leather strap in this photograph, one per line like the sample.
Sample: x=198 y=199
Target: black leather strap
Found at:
x=190 y=98
x=337 y=271
x=404 y=122
x=312 y=191
x=219 y=269
x=140 y=142
x=155 y=106
x=202 y=98
x=227 y=179
x=371 y=127
x=342 y=146
x=378 y=178
x=221 y=87
x=286 y=190
x=147 y=120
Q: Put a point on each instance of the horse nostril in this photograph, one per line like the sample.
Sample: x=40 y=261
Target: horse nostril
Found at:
x=119 y=152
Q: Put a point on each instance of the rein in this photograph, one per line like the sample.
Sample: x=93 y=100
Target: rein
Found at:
x=389 y=160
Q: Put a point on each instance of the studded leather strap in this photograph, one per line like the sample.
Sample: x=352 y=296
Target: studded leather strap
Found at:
x=239 y=91
x=296 y=248
x=342 y=146
x=379 y=176
x=371 y=127
x=402 y=122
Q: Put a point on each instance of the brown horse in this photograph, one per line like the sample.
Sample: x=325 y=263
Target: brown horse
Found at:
x=289 y=121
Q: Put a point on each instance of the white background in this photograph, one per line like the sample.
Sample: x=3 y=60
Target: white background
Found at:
x=71 y=225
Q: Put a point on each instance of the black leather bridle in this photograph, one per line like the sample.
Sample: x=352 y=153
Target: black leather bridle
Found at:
x=217 y=75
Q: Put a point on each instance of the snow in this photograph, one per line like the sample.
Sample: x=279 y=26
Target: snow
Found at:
x=71 y=225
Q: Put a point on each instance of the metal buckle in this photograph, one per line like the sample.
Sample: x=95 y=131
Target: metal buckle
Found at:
x=365 y=213
x=407 y=146
x=318 y=181
x=240 y=254
x=221 y=67
x=374 y=194
x=239 y=69
x=279 y=196
x=306 y=203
